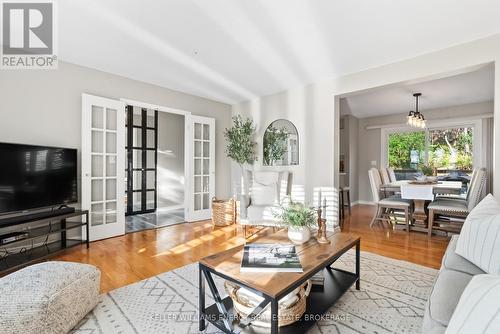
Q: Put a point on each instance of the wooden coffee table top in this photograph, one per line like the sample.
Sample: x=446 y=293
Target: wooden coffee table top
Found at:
x=313 y=256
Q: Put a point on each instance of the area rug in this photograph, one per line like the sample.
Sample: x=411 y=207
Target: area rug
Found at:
x=391 y=300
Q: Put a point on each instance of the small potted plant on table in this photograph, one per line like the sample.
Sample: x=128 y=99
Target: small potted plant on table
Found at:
x=299 y=218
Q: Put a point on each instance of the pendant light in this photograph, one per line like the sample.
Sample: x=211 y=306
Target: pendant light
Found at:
x=415 y=118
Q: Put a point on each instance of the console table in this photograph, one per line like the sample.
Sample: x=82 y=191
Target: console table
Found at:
x=38 y=244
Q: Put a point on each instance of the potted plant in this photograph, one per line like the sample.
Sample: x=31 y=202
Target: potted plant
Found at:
x=299 y=218
x=240 y=142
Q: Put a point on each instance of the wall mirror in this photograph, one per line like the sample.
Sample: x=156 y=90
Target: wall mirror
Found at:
x=281 y=144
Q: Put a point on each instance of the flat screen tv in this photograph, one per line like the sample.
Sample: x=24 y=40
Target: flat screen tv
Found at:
x=33 y=177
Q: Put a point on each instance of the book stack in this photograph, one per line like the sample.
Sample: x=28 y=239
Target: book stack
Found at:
x=270 y=258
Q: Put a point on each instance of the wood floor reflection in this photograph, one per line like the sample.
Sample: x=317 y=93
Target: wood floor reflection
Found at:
x=136 y=256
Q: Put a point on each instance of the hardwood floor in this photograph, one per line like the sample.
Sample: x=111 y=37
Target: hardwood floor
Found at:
x=136 y=256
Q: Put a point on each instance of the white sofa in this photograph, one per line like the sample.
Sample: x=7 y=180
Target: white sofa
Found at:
x=476 y=251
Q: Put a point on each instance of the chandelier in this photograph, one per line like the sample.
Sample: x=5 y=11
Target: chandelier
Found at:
x=415 y=118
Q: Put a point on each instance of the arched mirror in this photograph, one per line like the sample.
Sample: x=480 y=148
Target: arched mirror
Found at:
x=281 y=144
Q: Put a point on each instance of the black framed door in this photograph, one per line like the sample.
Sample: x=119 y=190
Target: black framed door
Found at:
x=142 y=157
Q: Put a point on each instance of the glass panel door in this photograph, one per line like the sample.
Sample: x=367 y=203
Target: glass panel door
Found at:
x=103 y=165
x=203 y=167
x=142 y=142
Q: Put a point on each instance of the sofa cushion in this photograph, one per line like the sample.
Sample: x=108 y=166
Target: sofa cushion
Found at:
x=445 y=294
x=50 y=297
x=453 y=261
x=478 y=310
x=479 y=240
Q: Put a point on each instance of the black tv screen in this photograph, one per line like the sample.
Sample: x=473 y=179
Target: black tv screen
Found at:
x=36 y=177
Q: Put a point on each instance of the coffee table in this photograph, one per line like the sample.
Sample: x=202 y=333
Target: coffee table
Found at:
x=314 y=257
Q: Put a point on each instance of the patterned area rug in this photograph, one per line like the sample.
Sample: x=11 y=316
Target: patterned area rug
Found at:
x=391 y=300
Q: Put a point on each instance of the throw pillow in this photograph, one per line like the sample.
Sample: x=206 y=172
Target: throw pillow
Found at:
x=264 y=194
x=478 y=310
x=479 y=240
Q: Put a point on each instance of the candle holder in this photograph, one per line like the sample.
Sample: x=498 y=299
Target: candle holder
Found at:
x=321 y=237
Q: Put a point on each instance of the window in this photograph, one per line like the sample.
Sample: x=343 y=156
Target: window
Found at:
x=446 y=149
x=451 y=148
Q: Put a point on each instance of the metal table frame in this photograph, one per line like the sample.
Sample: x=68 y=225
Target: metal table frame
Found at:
x=224 y=323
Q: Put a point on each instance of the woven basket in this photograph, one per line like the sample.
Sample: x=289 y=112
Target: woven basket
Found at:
x=223 y=212
x=286 y=314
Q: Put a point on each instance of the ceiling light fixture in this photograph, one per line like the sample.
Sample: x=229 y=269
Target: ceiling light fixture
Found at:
x=416 y=118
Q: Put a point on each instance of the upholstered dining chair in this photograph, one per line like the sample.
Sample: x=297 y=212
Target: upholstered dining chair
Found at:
x=384 y=175
x=388 y=205
x=392 y=174
x=460 y=197
x=453 y=208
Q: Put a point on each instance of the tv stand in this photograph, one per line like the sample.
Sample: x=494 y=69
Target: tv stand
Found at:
x=47 y=237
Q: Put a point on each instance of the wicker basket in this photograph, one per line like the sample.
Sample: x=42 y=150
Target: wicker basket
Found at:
x=223 y=212
x=287 y=314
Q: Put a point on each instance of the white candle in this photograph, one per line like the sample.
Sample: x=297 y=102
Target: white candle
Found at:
x=319 y=198
x=324 y=208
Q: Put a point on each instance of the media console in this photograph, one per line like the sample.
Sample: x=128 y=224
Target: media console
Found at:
x=43 y=235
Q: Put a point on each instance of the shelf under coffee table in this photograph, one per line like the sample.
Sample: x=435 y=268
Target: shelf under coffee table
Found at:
x=272 y=287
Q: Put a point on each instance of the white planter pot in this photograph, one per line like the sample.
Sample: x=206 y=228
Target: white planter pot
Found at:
x=299 y=235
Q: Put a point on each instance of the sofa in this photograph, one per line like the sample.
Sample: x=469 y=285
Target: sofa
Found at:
x=466 y=292
x=454 y=275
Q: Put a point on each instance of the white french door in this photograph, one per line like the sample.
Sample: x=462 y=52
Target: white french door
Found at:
x=201 y=168
x=103 y=165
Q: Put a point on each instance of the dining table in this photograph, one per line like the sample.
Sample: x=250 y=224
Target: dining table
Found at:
x=420 y=193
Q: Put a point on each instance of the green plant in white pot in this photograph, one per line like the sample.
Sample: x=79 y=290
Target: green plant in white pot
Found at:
x=299 y=218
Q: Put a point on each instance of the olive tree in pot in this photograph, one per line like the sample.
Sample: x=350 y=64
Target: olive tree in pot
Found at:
x=240 y=144
x=299 y=218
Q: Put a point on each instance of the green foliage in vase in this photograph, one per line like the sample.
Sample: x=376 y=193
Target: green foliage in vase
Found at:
x=240 y=144
x=296 y=214
x=275 y=144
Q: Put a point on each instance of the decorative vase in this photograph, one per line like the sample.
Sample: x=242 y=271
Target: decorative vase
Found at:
x=299 y=235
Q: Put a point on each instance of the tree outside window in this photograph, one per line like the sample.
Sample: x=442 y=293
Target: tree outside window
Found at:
x=447 y=149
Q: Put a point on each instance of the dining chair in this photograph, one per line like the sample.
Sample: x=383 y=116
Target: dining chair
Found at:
x=384 y=175
x=388 y=205
x=456 y=210
x=461 y=197
x=392 y=174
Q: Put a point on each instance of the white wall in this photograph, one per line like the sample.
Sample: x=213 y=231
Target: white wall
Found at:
x=315 y=108
x=369 y=147
x=170 y=165
x=44 y=107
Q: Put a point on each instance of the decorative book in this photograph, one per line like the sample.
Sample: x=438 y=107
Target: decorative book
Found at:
x=270 y=258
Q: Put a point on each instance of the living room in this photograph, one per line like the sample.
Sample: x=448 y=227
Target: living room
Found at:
x=261 y=87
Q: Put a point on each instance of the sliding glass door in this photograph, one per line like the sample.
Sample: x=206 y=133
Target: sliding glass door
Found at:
x=142 y=143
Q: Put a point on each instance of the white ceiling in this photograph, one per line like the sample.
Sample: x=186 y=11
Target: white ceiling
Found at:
x=234 y=50
x=472 y=87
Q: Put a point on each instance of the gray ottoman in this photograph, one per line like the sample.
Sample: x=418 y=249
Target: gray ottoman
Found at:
x=49 y=297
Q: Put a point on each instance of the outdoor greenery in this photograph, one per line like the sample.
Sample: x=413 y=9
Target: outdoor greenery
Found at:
x=275 y=144
x=240 y=144
x=296 y=214
x=447 y=149
x=400 y=147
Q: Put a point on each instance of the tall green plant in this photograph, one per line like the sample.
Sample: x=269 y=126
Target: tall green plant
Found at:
x=275 y=144
x=240 y=144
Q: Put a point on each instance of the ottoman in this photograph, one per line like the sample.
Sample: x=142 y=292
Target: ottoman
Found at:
x=49 y=297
